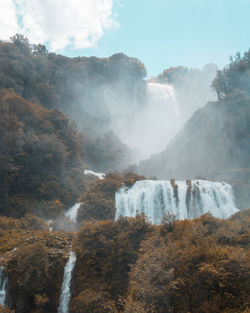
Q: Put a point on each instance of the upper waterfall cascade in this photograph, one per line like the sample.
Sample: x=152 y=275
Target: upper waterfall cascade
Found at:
x=161 y=115
x=184 y=199
x=3 y=285
x=157 y=114
x=163 y=93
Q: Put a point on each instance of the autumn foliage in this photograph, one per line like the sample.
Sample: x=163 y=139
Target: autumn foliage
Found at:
x=132 y=266
x=105 y=251
x=40 y=158
x=98 y=201
x=35 y=261
x=196 y=266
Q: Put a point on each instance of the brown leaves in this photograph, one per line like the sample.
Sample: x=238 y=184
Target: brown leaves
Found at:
x=190 y=269
x=40 y=157
x=93 y=301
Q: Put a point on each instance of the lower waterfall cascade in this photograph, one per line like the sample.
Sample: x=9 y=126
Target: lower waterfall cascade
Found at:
x=3 y=285
x=65 y=290
x=184 y=199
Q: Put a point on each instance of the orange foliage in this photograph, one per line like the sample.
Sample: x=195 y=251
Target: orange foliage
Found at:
x=98 y=202
x=92 y=301
x=40 y=158
x=196 y=266
x=105 y=251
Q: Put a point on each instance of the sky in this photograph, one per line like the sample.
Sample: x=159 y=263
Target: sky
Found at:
x=160 y=33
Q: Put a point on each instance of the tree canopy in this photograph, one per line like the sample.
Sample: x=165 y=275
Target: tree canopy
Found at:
x=234 y=76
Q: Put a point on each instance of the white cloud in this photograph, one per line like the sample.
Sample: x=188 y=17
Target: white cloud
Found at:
x=8 y=21
x=62 y=23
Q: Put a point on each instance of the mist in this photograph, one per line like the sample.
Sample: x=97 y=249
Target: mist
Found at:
x=144 y=114
x=172 y=121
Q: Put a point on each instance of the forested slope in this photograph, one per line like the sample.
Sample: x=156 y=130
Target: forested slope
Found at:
x=77 y=86
x=50 y=129
x=90 y=91
x=41 y=158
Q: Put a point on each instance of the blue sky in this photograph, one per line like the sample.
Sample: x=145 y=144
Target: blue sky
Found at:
x=161 y=33
x=164 y=33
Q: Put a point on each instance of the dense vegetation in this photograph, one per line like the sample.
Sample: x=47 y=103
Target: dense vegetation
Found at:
x=73 y=85
x=98 y=201
x=131 y=266
x=35 y=260
x=235 y=76
x=105 y=251
x=41 y=152
x=192 y=266
x=41 y=158
x=81 y=88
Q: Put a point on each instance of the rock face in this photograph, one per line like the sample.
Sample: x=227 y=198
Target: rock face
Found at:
x=214 y=143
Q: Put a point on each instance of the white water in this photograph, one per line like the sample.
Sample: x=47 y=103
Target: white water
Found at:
x=3 y=285
x=99 y=175
x=156 y=198
x=148 y=125
x=156 y=122
x=72 y=212
x=165 y=93
x=49 y=222
x=65 y=290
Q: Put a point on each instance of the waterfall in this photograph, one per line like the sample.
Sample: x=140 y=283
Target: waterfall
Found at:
x=185 y=199
x=158 y=117
x=99 y=175
x=71 y=213
x=3 y=285
x=163 y=93
x=65 y=290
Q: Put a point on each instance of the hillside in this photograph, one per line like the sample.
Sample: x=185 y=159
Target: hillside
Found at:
x=97 y=94
x=130 y=265
x=214 y=143
x=85 y=88
x=41 y=154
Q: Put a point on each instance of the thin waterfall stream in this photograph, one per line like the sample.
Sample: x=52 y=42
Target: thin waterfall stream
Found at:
x=3 y=285
x=65 y=290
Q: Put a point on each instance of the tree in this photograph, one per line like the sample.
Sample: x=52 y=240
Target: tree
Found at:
x=235 y=75
x=219 y=84
x=21 y=43
x=5 y=309
x=39 y=50
x=199 y=266
x=93 y=301
x=105 y=251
